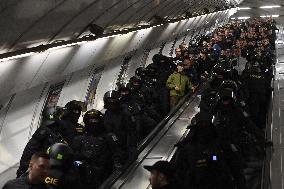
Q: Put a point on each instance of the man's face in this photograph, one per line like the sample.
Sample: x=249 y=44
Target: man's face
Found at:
x=38 y=169
x=179 y=68
x=155 y=179
x=178 y=52
x=187 y=63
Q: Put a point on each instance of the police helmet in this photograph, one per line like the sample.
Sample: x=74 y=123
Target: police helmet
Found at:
x=123 y=87
x=74 y=106
x=135 y=81
x=111 y=95
x=157 y=58
x=93 y=116
x=229 y=84
x=60 y=155
x=140 y=72
x=255 y=67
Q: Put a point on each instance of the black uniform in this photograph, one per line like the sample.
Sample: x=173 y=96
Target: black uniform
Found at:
x=258 y=86
x=117 y=120
x=62 y=168
x=22 y=183
x=200 y=161
x=95 y=154
x=43 y=138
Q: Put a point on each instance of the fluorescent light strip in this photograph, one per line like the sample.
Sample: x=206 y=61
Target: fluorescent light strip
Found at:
x=270 y=7
x=244 y=8
x=243 y=17
x=268 y=16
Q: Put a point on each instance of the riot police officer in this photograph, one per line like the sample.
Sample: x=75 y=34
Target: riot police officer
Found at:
x=68 y=126
x=117 y=120
x=96 y=149
x=144 y=123
x=62 y=174
x=258 y=86
x=143 y=98
x=43 y=137
x=200 y=162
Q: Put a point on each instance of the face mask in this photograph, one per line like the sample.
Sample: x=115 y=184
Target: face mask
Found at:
x=125 y=98
x=73 y=116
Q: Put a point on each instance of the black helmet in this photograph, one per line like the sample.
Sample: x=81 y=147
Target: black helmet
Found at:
x=229 y=84
x=255 y=67
x=92 y=116
x=74 y=106
x=111 y=100
x=111 y=95
x=123 y=87
x=157 y=58
x=135 y=82
x=60 y=155
x=73 y=110
x=140 y=72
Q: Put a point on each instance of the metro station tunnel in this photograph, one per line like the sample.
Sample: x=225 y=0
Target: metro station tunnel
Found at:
x=140 y=94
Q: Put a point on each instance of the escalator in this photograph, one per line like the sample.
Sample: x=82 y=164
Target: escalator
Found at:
x=159 y=145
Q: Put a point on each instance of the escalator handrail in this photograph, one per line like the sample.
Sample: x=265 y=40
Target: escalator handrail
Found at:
x=115 y=176
x=265 y=180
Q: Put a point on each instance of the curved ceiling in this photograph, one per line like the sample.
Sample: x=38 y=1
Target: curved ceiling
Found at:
x=27 y=23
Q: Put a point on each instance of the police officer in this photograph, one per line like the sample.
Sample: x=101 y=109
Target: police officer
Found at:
x=144 y=123
x=258 y=86
x=68 y=126
x=143 y=98
x=96 y=149
x=62 y=173
x=117 y=120
x=43 y=137
x=200 y=162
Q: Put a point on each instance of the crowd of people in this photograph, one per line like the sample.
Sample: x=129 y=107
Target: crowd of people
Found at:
x=226 y=133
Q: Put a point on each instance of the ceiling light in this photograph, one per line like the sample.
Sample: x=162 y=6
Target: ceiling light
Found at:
x=243 y=17
x=270 y=7
x=268 y=16
x=244 y=8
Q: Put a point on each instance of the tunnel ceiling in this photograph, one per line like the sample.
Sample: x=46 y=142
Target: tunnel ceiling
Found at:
x=256 y=11
x=27 y=23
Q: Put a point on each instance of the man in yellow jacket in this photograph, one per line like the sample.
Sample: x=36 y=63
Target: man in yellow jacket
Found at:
x=179 y=84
